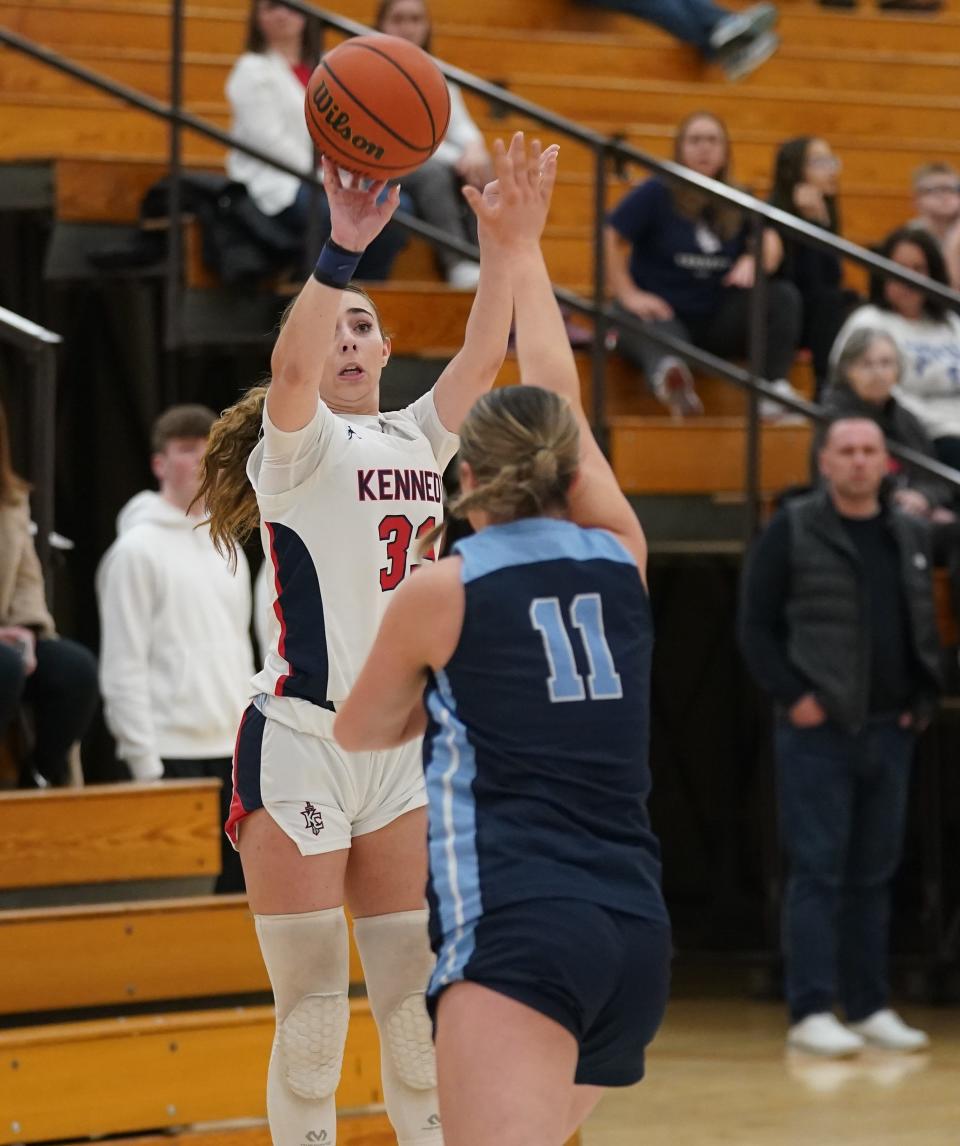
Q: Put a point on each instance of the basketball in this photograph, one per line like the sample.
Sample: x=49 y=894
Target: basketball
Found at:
x=377 y=105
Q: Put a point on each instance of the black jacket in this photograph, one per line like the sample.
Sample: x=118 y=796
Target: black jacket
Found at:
x=821 y=640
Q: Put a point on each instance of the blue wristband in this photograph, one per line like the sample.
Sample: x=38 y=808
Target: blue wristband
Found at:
x=336 y=265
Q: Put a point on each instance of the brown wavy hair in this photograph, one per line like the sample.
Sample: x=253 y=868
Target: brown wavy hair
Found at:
x=522 y=444
x=225 y=490
x=310 y=39
x=696 y=205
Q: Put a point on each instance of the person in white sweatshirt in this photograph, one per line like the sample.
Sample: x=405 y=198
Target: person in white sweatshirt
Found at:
x=175 y=656
x=266 y=89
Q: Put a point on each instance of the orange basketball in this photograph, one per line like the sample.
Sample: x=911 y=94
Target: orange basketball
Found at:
x=377 y=105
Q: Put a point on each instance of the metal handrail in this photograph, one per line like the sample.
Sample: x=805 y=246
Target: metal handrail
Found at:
x=607 y=150
x=40 y=347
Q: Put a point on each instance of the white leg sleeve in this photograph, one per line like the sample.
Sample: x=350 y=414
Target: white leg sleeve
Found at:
x=397 y=962
x=308 y=961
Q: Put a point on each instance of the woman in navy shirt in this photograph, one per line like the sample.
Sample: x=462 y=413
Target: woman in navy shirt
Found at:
x=680 y=260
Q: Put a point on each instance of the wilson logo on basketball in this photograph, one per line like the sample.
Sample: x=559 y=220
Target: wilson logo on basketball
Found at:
x=339 y=121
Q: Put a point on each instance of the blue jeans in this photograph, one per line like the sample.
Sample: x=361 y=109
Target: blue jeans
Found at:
x=689 y=20
x=843 y=803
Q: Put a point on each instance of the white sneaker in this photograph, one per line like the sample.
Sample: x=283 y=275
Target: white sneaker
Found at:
x=673 y=385
x=885 y=1029
x=825 y=1035
x=464 y=275
x=771 y=411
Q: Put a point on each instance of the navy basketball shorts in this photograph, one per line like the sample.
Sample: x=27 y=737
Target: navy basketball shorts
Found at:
x=601 y=974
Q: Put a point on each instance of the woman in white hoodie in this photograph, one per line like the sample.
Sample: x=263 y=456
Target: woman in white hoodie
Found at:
x=266 y=89
x=175 y=654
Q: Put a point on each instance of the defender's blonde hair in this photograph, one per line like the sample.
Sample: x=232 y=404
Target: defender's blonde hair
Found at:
x=522 y=444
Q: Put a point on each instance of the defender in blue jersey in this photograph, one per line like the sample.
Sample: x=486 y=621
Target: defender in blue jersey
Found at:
x=524 y=658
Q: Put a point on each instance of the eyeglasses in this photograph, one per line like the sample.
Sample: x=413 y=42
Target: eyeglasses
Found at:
x=828 y=162
x=940 y=189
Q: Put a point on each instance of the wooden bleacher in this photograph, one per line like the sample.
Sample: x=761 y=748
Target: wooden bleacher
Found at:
x=133 y=1071
x=877 y=85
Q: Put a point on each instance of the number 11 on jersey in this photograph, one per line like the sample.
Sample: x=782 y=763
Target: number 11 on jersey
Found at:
x=586 y=617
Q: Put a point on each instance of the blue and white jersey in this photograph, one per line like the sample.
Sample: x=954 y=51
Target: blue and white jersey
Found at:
x=537 y=742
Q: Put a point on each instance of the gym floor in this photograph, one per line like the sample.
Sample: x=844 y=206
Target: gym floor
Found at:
x=718 y=1074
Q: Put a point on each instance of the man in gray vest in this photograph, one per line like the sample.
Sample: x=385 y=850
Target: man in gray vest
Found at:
x=838 y=624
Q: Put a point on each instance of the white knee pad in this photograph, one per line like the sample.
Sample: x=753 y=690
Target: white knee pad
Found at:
x=310 y=1043
x=307 y=958
x=397 y=963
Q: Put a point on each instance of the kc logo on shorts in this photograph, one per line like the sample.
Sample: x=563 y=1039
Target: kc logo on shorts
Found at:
x=313 y=818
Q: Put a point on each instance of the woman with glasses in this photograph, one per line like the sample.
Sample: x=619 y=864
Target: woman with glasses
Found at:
x=927 y=333
x=806 y=178
x=684 y=262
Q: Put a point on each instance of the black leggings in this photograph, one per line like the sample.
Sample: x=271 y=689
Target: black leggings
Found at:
x=62 y=694
x=725 y=332
x=231 y=873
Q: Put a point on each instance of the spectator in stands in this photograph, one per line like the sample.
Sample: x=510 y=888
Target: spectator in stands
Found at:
x=936 y=196
x=461 y=158
x=863 y=384
x=927 y=333
x=936 y=199
x=838 y=624
x=681 y=261
x=805 y=183
x=738 y=41
x=55 y=679
x=266 y=92
x=176 y=657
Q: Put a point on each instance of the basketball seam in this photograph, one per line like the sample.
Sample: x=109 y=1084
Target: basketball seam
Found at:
x=330 y=145
x=410 y=80
x=375 y=118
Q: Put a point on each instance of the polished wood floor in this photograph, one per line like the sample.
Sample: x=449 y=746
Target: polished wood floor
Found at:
x=718 y=1075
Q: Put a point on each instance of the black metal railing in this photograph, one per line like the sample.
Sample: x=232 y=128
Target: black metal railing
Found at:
x=39 y=346
x=607 y=152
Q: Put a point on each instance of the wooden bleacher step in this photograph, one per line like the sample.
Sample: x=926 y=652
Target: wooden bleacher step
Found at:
x=114 y=1076
x=703 y=455
x=133 y=952
x=109 y=832
x=353 y=1129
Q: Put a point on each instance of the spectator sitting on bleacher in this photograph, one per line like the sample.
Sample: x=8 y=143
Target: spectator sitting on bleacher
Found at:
x=738 y=41
x=927 y=333
x=863 y=384
x=805 y=183
x=56 y=679
x=462 y=157
x=680 y=260
x=266 y=92
x=936 y=197
x=176 y=658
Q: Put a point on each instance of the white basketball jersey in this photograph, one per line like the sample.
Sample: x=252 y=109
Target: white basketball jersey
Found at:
x=342 y=505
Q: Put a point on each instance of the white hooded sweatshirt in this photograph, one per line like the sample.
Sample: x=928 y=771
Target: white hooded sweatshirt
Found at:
x=175 y=653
